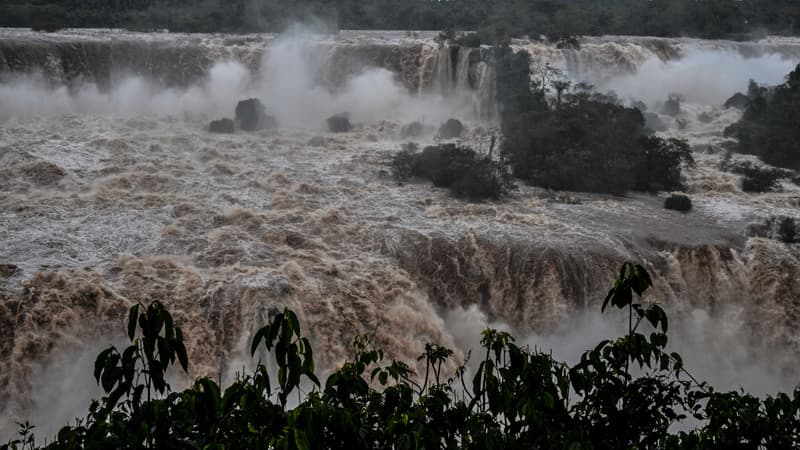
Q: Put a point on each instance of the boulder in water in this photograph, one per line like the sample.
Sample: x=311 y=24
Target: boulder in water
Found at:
x=221 y=126
x=652 y=121
x=451 y=129
x=318 y=141
x=339 y=123
x=738 y=101
x=413 y=129
x=251 y=115
x=780 y=228
x=672 y=107
x=43 y=173
x=8 y=270
x=678 y=202
x=705 y=117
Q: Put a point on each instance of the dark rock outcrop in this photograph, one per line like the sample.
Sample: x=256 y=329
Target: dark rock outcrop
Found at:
x=339 y=123
x=413 y=129
x=8 y=270
x=221 y=126
x=451 y=129
x=43 y=173
x=782 y=228
x=672 y=107
x=251 y=115
x=678 y=202
x=738 y=101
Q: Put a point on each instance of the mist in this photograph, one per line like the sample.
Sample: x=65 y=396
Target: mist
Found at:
x=167 y=193
x=290 y=84
x=702 y=76
x=716 y=348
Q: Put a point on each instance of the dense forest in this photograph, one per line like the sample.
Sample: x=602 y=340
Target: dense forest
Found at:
x=706 y=18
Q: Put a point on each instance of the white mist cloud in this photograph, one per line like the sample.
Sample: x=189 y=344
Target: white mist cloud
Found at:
x=702 y=76
x=715 y=347
x=289 y=85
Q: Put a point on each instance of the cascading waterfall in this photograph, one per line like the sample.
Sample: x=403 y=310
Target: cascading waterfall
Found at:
x=112 y=192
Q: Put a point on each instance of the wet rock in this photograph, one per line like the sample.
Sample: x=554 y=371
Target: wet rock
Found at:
x=318 y=141
x=413 y=129
x=568 y=43
x=738 y=101
x=705 y=117
x=451 y=129
x=640 y=105
x=678 y=202
x=8 y=270
x=339 y=123
x=654 y=122
x=251 y=115
x=44 y=173
x=781 y=228
x=225 y=126
x=672 y=107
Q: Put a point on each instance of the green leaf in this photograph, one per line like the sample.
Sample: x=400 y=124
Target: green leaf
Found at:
x=260 y=334
x=301 y=440
x=293 y=320
x=132 y=316
x=313 y=378
x=640 y=280
x=100 y=362
x=180 y=351
x=608 y=298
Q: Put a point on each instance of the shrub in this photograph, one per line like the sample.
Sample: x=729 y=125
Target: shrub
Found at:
x=472 y=40
x=672 y=107
x=460 y=169
x=755 y=178
x=678 y=202
x=781 y=228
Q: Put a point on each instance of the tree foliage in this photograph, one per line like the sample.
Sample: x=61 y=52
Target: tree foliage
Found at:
x=628 y=392
x=768 y=128
x=568 y=137
x=553 y=18
x=466 y=173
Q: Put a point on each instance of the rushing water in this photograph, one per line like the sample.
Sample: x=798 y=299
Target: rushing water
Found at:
x=112 y=192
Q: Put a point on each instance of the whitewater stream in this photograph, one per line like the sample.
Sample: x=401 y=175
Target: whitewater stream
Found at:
x=112 y=191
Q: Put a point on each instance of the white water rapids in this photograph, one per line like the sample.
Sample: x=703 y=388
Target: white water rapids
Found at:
x=112 y=192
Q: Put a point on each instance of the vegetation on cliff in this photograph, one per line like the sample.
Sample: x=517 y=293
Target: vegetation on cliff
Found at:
x=466 y=173
x=629 y=392
x=553 y=18
x=558 y=136
x=769 y=126
x=567 y=137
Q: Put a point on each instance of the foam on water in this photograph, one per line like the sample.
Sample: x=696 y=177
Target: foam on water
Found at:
x=111 y=196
